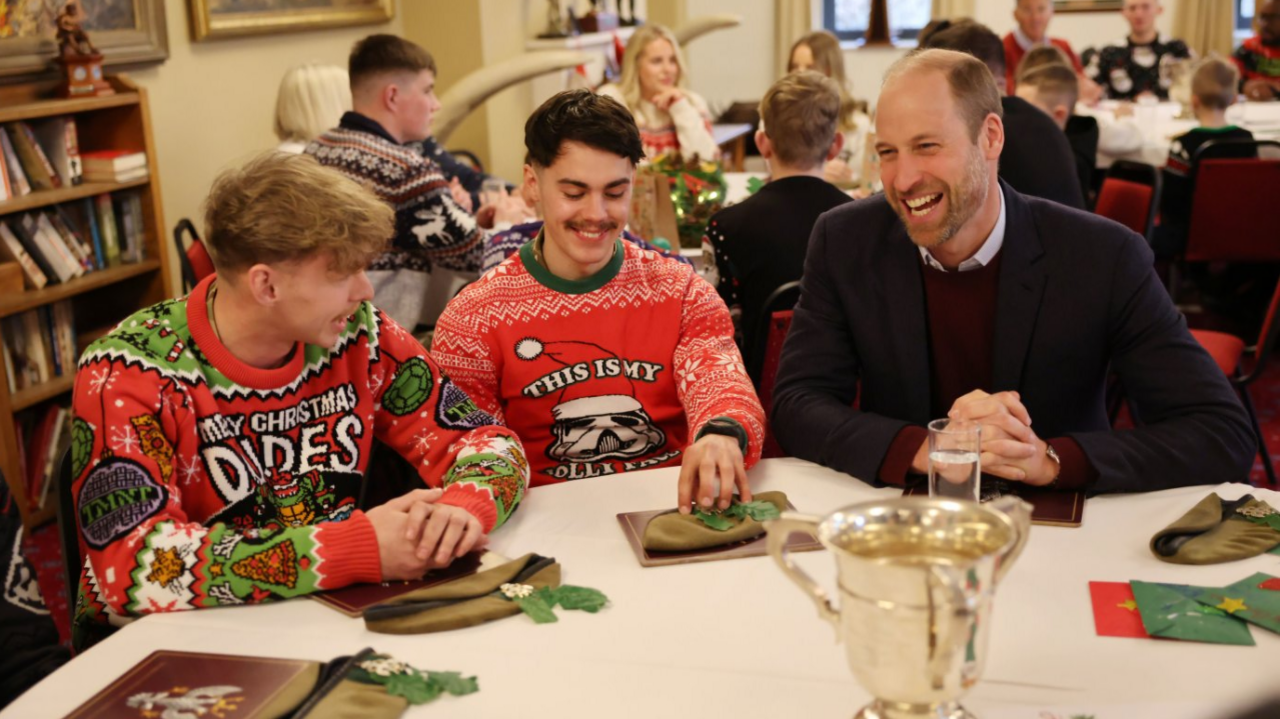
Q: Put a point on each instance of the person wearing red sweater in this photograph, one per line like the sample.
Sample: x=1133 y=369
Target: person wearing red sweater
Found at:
x=1033 y=18
x=1258 y=58
x=220 y=440
x=603 y=357
x=955 y=296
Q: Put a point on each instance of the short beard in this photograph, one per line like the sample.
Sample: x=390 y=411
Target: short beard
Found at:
x=963 y=202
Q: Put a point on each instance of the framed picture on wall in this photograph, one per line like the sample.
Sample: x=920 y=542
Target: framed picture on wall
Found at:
x=1086 y=5
x=215 y=19
x=126 y=32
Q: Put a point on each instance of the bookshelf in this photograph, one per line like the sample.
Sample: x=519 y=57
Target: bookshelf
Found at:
x=98 y=299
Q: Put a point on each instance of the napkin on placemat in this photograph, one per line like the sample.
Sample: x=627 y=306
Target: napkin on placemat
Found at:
x=1217 y=530
x=462 y=602
x=180 y=684
x=676 y=532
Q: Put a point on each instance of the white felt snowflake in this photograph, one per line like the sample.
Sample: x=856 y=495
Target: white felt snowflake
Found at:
x=101 y=379
x=189 y=471
x=122 y=440
x=374 y=384
x=423 y=440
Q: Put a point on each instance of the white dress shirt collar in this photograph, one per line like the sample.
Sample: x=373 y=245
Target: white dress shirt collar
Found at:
x=987 y=252
x=1025 y=42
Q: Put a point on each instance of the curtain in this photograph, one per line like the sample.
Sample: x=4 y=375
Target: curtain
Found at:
x=1205 y=25
x=792 y=18
x=951 y=9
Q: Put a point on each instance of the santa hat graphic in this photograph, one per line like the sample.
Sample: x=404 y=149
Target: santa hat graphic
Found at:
x=596 y=396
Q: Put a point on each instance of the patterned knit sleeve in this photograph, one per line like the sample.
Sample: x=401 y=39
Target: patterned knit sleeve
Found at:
x=693 y=127
x=439 y=429
x=428 y=218
x=133 y=447
x=710 y=377
x=1244 y=61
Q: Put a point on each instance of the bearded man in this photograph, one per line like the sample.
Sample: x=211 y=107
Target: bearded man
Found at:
x=952 y=295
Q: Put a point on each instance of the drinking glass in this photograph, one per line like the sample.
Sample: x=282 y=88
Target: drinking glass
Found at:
x=954 y=466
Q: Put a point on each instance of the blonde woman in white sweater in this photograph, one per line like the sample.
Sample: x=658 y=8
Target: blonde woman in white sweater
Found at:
x=669 y=115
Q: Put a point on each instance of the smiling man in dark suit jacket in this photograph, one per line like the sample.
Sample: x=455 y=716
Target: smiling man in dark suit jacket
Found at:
x=954 y=295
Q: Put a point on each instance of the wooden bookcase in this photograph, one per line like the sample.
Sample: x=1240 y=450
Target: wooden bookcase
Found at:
x=99 y=299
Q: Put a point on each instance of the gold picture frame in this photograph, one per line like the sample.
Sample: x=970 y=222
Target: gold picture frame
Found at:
x=128 y=33
x=217 y=19
x=1087 y=5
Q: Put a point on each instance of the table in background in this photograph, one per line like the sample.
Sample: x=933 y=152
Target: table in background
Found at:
x=736 y=638
x=1160 y=123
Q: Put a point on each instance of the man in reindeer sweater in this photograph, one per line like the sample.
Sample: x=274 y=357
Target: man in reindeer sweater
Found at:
x=220 y=440
x=604 y=357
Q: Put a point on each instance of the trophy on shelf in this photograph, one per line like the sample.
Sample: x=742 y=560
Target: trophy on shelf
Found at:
x=598 y=20
x=80 y=60
x=556 y=25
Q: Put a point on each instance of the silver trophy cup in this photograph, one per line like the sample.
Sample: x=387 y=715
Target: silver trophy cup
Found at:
x=916 y=578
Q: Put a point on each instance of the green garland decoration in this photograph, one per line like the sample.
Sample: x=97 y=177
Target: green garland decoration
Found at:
x=720 y=520
x=415 y=685
x=539 y=604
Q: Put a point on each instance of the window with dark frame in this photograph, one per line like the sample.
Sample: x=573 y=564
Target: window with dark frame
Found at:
x=852 y=20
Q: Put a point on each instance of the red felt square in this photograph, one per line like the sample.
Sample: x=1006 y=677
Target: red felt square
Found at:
x=1115 y=613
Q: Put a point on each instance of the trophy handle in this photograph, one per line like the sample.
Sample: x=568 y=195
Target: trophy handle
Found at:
x=949 y=617
x=1019 y=513
x=779 y=530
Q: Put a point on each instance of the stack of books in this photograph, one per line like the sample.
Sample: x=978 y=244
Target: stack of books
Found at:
x=114 y=165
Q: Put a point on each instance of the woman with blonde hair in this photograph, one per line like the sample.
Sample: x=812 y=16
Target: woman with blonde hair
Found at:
x=670 y=116
x=311 y=100
x=820 y=51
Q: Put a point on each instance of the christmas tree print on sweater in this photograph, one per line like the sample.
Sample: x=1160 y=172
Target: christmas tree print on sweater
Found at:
x=201 y=481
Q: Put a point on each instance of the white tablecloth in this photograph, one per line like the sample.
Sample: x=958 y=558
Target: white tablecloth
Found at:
x=1159 y=124
x=735 y=638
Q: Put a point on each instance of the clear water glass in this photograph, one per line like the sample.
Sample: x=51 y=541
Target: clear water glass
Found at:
x=955 y=467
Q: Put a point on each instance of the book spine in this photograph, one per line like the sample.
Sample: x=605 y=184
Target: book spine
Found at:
x=91 y=219
x=36 y=165
x=17 y=177
x=65 y=254
x=83 y=253
x=51 y=339
x=6 y=186
x=25 y=228
x=14 y=249
x=35 y=345
x=107 y=225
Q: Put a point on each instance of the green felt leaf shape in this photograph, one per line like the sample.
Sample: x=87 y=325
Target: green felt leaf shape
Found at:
x=415 y=685
x=757 y=510
x=581 y=598
x=537 y=607
x=715 y=520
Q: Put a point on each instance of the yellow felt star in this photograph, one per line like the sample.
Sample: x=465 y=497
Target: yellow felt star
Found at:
x=1128 y=604
x=1232 y=606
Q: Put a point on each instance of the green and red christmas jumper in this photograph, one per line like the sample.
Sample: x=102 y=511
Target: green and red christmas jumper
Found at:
x=612 y=373
x=201 y=481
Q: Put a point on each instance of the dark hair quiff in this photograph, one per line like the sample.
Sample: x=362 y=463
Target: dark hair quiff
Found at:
x=596 y=121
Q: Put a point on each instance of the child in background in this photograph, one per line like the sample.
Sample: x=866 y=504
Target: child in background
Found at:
x=1054 y=89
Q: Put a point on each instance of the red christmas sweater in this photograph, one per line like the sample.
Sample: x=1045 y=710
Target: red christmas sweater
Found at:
x=201 y=481
x=1257 y=61
x=599 y=376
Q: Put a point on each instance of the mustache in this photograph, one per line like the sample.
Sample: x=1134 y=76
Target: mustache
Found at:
x=592 y=226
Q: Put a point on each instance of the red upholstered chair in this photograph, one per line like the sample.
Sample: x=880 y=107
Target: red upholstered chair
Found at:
x=194 y=258
x=1233 y=203
x=779 y=325
x=1131 y=196
x=1228 y=352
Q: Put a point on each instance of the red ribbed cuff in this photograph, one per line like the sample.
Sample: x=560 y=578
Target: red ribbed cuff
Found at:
x=349 y=550
x=1076 y=472
x=475 y=500
x=897 y=461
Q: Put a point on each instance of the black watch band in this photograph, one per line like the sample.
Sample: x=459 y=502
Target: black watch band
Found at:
x=727 y=427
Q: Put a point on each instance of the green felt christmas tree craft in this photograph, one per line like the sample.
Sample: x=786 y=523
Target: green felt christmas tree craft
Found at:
x=1169 y=611
x=1255 y=599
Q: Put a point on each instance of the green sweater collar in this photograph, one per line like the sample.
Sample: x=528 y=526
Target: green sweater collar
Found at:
x=571 y=287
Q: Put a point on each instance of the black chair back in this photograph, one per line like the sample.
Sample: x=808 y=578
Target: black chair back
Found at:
x=184 y=227
x=781 y=299
x=68 y=528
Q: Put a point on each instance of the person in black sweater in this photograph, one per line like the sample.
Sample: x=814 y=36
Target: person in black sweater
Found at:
x=1037 y=159
x=755 y=246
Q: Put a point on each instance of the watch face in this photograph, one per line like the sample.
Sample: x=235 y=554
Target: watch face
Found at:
x=79 y=73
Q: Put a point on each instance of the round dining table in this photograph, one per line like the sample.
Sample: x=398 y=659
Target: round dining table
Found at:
x=735 y=638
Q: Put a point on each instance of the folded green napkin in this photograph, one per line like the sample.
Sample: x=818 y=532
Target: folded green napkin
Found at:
x=463 y=602
x=676 y=532
x=1217 y=530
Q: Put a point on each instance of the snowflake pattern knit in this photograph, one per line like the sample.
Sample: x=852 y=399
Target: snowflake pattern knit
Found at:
x=601 y=376
x=201 y=481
